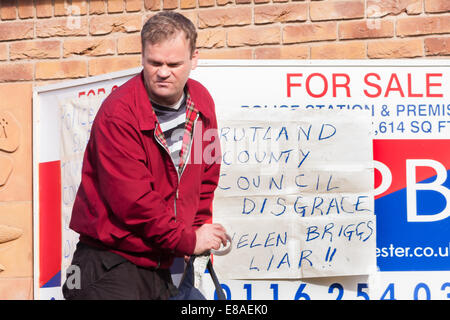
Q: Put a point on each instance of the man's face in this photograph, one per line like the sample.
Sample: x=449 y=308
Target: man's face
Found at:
x=166 y=68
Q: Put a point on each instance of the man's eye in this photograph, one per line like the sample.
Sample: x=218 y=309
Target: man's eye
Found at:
x=174 y=65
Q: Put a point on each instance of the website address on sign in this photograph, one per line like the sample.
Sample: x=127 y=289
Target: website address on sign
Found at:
x=405 y=252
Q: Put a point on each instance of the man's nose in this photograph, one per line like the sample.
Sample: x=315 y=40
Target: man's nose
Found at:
x=163 y=71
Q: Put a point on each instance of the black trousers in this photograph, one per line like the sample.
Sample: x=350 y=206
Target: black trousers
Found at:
x=97 y=274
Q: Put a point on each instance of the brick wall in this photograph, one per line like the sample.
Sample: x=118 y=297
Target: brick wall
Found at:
x=58 y=39
x=45 y=41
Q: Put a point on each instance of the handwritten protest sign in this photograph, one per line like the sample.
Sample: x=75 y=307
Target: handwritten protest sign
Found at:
x=295 y=194
x=76 y=115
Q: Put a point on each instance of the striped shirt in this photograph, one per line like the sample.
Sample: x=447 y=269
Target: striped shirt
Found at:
x=172 y=123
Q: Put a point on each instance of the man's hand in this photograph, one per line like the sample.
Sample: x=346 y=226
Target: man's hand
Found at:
x=210 y=236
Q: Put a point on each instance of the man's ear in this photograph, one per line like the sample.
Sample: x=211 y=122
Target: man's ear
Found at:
x=194 y=59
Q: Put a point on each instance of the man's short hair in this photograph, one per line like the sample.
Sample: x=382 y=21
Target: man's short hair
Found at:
x=166 y=24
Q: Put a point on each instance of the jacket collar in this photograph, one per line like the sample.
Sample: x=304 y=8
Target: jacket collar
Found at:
x=147 y=119
x=201 y=99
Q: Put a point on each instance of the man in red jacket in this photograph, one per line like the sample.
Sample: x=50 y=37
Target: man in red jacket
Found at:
x=149 y=174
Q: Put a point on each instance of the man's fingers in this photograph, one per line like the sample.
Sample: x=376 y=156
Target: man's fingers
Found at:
x=216 y=245
x=222 y=235
x=211 y=236
x=218 y=228
x=224 y=239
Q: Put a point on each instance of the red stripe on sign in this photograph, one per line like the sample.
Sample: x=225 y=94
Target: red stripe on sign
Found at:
x=50 y=253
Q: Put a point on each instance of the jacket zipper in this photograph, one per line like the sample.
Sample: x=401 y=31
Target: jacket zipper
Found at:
x=184 y=166
x=182 y=169
x=160 y=143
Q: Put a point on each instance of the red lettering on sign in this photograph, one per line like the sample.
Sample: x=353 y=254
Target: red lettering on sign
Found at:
x=308 y=86
x=290 y=84
x=319 y=80
x=371 y=84
x=341 y=85
x=398 y=85
x=430 y=84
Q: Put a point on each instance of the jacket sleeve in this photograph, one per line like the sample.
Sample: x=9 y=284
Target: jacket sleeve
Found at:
x=125 y=184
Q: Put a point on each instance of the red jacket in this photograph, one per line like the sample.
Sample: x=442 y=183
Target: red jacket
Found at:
x=131 y=199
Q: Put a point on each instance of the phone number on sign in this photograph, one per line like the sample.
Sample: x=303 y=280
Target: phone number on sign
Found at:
x=337 y=291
